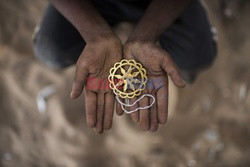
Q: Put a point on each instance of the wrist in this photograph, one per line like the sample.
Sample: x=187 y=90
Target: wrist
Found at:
x=139 y=42
x=141 y=38
x=97 y=34
x=105 y=40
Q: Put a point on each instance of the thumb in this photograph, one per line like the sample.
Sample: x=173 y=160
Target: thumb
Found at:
x=79 y=81
x=172 y=70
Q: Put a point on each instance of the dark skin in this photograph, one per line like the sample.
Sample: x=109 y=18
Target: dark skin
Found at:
x=103 y=49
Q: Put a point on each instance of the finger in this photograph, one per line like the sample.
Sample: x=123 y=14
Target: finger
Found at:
x=153 y=116
x=79 y=81
x=109 y=110
x=152 y=84
x=144 y=114
x=162 y=104
x=172 y=70
x=119 y=110
x=134 y=115
x=127 y=54
x=100 y=113
x=90 y=104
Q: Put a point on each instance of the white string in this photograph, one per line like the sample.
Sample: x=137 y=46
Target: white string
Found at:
x=130 y=105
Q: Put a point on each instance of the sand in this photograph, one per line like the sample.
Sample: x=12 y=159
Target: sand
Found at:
x=208 y=124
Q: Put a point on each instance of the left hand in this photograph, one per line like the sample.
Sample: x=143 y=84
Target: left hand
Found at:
x=92 y=70
x=158 y=63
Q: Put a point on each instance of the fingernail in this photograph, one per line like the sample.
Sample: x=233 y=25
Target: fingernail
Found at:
x=98 y=131
x=71 y=94
x=183 y=82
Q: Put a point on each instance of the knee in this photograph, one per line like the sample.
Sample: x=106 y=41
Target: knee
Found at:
x=49 y=53
x=193 y=51
x=206 y=48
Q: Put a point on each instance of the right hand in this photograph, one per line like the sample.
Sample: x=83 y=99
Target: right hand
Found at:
x=158 y=64
x=95 y=61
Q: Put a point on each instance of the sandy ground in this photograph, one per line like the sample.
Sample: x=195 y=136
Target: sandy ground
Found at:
x=208 y=126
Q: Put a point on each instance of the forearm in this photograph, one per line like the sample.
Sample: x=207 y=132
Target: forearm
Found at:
x=159 y=15
x=83 y=15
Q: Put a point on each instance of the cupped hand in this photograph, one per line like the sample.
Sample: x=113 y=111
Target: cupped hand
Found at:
x=92 y=70
x=158 y=64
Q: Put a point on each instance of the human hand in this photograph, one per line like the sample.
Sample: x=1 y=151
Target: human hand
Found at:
x=95 y=62
x=158 y=63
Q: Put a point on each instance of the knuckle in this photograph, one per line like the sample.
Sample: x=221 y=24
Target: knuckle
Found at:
x=144 y=127
x=119 y=112
x=166 y=61
x=77 y=86
x=77 y=81
x=164 y=65
x=144 y=117
x=172 y=73
x=110 y=108
x=100 y=107
x=82 y=63
x=134 y=119
x=91 y=123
